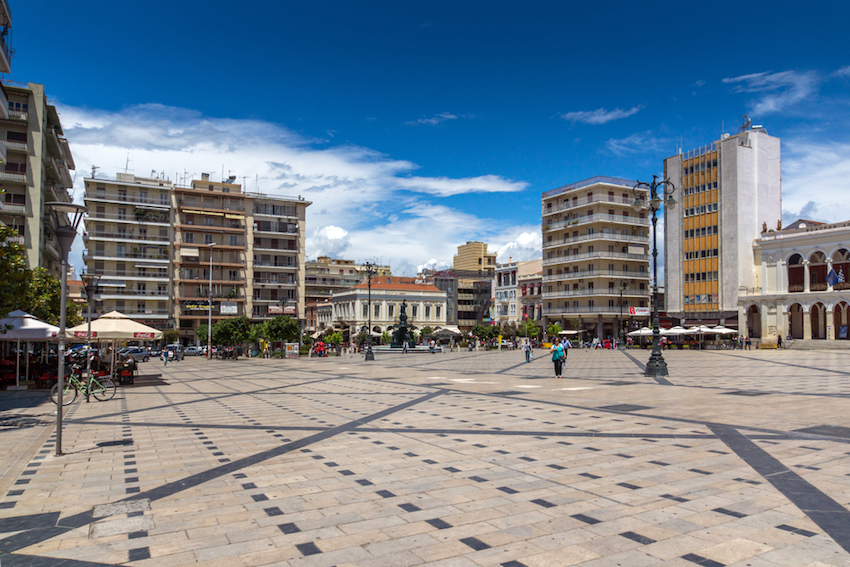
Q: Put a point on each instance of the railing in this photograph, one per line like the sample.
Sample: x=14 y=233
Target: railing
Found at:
x=598 y=217
x=818 y=287
x=590 y=291
x=572 y=203
x=201 y=279
x=129 y=218
x=126 y=236
x=17 y=146
x=276 y=231
x=14 y=208
x=601 y=254
x=131 y=255
x=18 y=115
x=270 y=265
x=592 y=181
x=271 y=248
x=137 y=313
x=796 y=288
x=8 y=176
x=126 y=274
x=131 y=198
x=185 y=204
x=597 y=236
x=146 y=293
x=16 y=239
x=568 y=310
x=273 y=281
x=596 y=274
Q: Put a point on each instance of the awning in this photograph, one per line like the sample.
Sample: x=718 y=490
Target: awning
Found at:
x=190 y=252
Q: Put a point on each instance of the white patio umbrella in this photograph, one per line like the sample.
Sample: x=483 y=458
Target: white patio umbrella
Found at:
x=642 y=332
x=699 y=330
x=25 y=327
x=115 y=326
x=674 y=331
x=721 y=330
x=566 y=332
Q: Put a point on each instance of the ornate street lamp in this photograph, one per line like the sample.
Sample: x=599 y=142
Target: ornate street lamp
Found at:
x=90 y=282
x=66 y=219
x=660 y=194
x=370 y=271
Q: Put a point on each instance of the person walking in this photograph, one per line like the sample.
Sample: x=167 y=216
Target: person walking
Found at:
x=558 y=357
x=404 y=347
x=779 y=341
x=749 y=343
x=526 y=347
x=165 y=357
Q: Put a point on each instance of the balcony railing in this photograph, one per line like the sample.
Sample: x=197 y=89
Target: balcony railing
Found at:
x=271 y=265
x=18 y=115
x=194 y=204
x=140 y=292
x=14 y=208
x=601 y=254
x=597 y=236
x=572 y=203
x=129 y=274
x=9 y=176
x=599 y=217
x=273 y=281
x=615 y=310
x=149 y=312
x=596 y=274
x=158 y=220
x=17 y=146
x=590 y=291
x=129 y=255
x=128 y=236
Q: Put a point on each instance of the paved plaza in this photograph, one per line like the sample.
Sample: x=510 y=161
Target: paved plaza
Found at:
x=458 y=459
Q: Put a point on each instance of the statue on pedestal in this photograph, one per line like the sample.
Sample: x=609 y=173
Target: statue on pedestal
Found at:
x=402 y=333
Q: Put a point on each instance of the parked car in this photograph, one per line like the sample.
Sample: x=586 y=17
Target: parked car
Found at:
x=155 y=352
x=192 y=351
x=138 y=353
x=177 y=350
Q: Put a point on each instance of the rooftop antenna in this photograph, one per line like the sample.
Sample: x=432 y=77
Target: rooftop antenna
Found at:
x=127 y=164
x=94 y=169
x=257 y=183
x=244 y=182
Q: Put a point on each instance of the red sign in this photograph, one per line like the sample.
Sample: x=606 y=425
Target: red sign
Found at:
x=639 y=311
x=275 y=310
x=84 y=334
x=143 y=335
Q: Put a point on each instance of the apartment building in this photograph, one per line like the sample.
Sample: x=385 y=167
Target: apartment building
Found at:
x=530 y=293
x=474 y=257
x=128 y=236
x=508 y=289
x=594 y=243
x=36 y=164
x=732 y=187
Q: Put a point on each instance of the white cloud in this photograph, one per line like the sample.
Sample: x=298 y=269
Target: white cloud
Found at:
x=638 y=143
x=819 y=171
x=446 y=187
x=778 y=90
x=328 y=241
x=434 y=120
x=599 y=116
x=527 y=245
x=843 y=72
x=361 y=199
x=433 y=264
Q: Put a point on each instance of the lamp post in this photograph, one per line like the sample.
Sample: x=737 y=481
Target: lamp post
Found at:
x=90 y=281
x=66 y=232
x=370 y=271
x=660 y=193
x=209 y=308
x=623 y=285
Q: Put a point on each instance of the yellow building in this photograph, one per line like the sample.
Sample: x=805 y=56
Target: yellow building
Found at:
x=473 y=256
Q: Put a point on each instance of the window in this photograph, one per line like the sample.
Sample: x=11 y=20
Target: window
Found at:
x=209 y=221
x=100 y=192
x=208 y=239
x=122 y=213
x=234 y=240
x=415 y=310
x=189 y=238
x=427 y=311
x=143 y=196
x=390 y=310
x=377 y=311
x=365 y=310
x=122 y=194
x=439 y=309
x=163 y=198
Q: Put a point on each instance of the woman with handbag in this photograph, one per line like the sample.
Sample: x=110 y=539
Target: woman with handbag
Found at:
x=558 y=357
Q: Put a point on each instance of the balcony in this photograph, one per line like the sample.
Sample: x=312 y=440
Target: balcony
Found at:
x=14 y=146
x=598 y=291
x=9 y=176
x=596 y=274
x=597 y=236
x=571 y=204
x=131 y=236
x=270 y=265
x=615 y=310
x=18 y=115
x=599 y=217
x=146 y=313
x=63 y=172
x=53 y=247
x=147 y=276
x=273 y=281
x=566 y=259
x=199 y=207
x=119 y=293
x=270 y=248
x=4 y=102
x=111 y=255
x=14 y=209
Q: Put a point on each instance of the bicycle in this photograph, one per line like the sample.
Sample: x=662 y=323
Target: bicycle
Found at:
x=102 y=388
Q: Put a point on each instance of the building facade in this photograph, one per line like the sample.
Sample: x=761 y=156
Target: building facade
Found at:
x=798 y=291
x=530 y=294
x=128 y=238
x=731 y=187
x=164 y=250
x=594 y=244
x=474 y=257
x=326 y=275
x=426 y=306
x=36 y=168
x=511 y=286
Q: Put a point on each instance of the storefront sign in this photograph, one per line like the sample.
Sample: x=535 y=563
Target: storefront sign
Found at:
x=196 y=305
x=228 y=308
x=142 y=335
x=84 y=334
x=639 y=311
x=275 y=310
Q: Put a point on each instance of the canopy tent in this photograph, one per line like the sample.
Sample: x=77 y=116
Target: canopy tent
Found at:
x=642 y=332
x=19 y=326
x=566 y=332
x=114 y=326
x=674 y=331
x=700 y=330
x=721 y=330
x=448 y=330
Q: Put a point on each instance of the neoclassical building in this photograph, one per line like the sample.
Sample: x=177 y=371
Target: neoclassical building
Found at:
x=799 y=292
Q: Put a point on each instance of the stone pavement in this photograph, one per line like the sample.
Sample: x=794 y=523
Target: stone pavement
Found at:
x=459 y=459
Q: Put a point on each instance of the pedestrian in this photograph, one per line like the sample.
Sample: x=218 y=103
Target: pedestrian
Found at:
x=779 y=341
x=749 y=343
x=558 y=357
x=165 y=357
x=404 y=347
x=527 y=349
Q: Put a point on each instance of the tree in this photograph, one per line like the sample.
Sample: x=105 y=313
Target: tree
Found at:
x=306 y=339
x=529 y=329
x=232 y=331
x=553 y=329
x=283 y=328
x=43 y=299
x=13 y=284
x=386 y=338
x=426 y=330
x=334 y=338
x=575 y=323
x=202 y=332
x=485 y=332
x=171 y=336
x=258 y=332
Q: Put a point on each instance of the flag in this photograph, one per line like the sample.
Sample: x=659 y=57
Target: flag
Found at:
x=840 y=275
x=832 y=278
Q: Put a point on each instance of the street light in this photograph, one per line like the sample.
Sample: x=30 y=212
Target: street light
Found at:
x=209 y=308
x=656 y=367
x=90 y=281
x=66 y=232
x=623 y=285
x=370 y=271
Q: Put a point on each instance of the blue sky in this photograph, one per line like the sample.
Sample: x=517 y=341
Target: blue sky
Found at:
x=415 y=126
